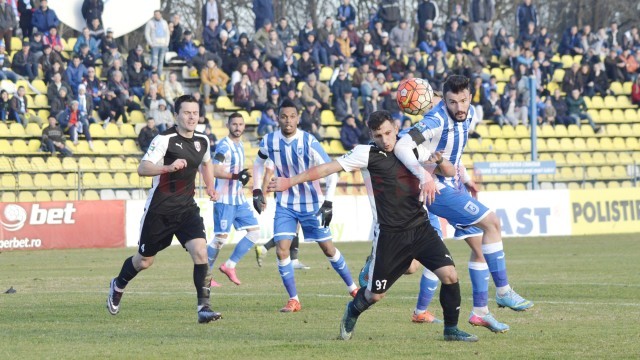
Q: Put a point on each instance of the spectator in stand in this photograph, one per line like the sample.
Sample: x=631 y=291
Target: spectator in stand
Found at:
x=494 y=111
x=597 y=82
x=427 y=11
x=560 y=106
x=631 y=39
x=530 y=36
x=346 y=48
x=187 y=49
x=25 y=62
x=389 y=13
x=401 y=35
x=20 y=109
x=236 y=75
x=7 y=23
x=453 y=38
x=285 y=32
x=352 y=33
x=549 y=114
x=274 y=98
x=372 y=104
x=117 y=66
x=461 y=65
x=96 y=30
x=147 y=134
x=616 y=68
x=259 y=95
x=151 y=101
x=5 y=65
x=75 y=73
x=268 y=71
x=526 y=13
x=287 y=84
x=302 y=35
x=177 y=34
x=154 y=80
x=346 y=12
x=199 y=61
x=509 y=52
x=263 y=11
x=294 y=97
x=242 y=93
x=326 y=29
x=25 y=9
x=5 y=107
x=73 y=123
x=92 y=9
x=340 y=85
x=635 y=91
x=137 y=78
x=214 y=81
x=246 y=46
x=428 y=38
x=368 y=84
x=107 y=42
x=307 y=66
x=459 y=17
x=210 y=11
x=112 y=108
x=54 y=40
x=95 y=87
x=37 y=46
x=577 y=109
x=44 y=18
x=571 y=43
x=162 y=116
x=268 y=121
x=254 y=71
x=157 y=34
x=119 y=85
x=212 y=38
x=316 y=92
x=587 y=38
x=86 y=58
x=397 y=66
x=571 y=79
x=350 y=133
x=310 y=120
x=172 y=88
x=482 y=13
x=478 y=63
x=111 y=56
x=231 y=30
x=261 y=37
x=53 y=139
x=513 y=109
x=347 y=105
x=85 y=104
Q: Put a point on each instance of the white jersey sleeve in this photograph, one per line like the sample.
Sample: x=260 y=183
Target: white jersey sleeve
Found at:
x=157 y=149
x=355 y=159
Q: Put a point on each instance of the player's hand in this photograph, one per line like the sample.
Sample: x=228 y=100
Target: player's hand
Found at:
x=213 y=195
x=326 y=213
x=243 y=176
x=472 y=187
x=436 y=157
x=279 y=184
x=177 y=165
x=258 y=201
x=428 y=191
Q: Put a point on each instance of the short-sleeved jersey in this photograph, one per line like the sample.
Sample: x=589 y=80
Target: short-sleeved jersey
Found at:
x=393 y=190
x=437 y=131
x=231 y=156
x=292 y=156
x=173 y=192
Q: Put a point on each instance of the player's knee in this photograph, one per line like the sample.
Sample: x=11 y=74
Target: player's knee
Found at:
x=491 y=223
x=415 y=265
x=253 y=235
x=328 y=248
x=144 y=263
x=282 y=252
x=373 y=297
x=447 y=275
x=219 y=241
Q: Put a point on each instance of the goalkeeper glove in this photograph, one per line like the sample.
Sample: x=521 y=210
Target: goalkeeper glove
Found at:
x=326 y=213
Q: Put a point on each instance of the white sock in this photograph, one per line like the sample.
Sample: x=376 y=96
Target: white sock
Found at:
x=295 y=298
x=503 y=290
x=481 y=311
x=352 y=287
x=418 y=312
x=230 y=264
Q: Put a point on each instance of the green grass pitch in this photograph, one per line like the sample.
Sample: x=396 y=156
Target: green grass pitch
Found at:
x=586 y=291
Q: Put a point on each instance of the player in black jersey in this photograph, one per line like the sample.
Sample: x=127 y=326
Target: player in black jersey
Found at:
x=173 y=159
x=402 y=230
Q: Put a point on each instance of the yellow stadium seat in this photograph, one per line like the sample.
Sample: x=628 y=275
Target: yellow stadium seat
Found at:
x=508 y=132
x=53 y=164
x=522 y=131
x=325 y=74
x=586 y=131
x=525 y=144
x=624 y=102
x=6 y=165
x=627 y=87
x=606 y=144
x=116 y=163
x=254 y=117
x=559 y=159
x=121 y=180
x=612 y=130
x=89 y=180
x=632 y=144
x=21 y=163
x=332 y=132
x=33 y=130
x=137 y=117
x=114 y=147
x=127 y=130
x=598 y=158
x=585 y=158
x=224 y=103
x=86 y=164
x=505 y=187
x=500 y=145
x=4 y=130
x=327 y=118
x=619 y=144
x=617 y=115
x=58 y=181
x=593 y=172
x=91 y=195
x=625 y=158
x=495 y=131
x=337 y=147
x=25 y=181
x=474 y=145
x=573 y=186
x=132 y=163
x=96 y=130
x=101 y=164
x=500 y=87
x=616 y=87
x=8 y=182
x=42 y=196
x=34 y=145
x=72 y=181
x=99 y=147
x=560 y=131
x=552 y=144
x=130 y=148
x=567 y=61
x=558 y=75
x=491 y=187
x=105 y=180
x=70 y=164
x=547 y=131
x=621 y=172
x=59 y=195
x=630 y=115
x=17 y=130
x=610 y=102
x=578 y=144
x=513 y=145
x=111 y=131
x=20 y=147
x=38 y=164
x=26 y=196
x=599 y=185
x=592 y=144
x=8 y=197
x=597 y=102
x=491 y=157
x=476 y=157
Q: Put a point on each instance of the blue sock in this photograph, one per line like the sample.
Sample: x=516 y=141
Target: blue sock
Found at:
x=494 y=255
x=212 y=253
x=428 y=287
x=241 y=249
x=479 y=273
x=285 y=267
x=340 y=266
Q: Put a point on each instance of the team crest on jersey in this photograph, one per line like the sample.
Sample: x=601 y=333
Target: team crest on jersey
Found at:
x=347 y=154
x=223 y=224
x=299 y=151
x=472 y=208
x=197 y=145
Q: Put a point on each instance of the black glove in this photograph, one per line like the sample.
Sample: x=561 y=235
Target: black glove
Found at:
x=258 y=200
x=243 y=176
x=326 y=212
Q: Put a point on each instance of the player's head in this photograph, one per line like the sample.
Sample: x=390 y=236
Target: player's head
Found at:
x=288 y=118
x=457 y=96
x=187 y=112
x=384 y=131
x=235 y=124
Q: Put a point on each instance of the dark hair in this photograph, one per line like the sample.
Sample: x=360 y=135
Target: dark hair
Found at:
x=286 y=103
x=233 y=116
x=377 y=118
x=184 y=99
x=455 y=84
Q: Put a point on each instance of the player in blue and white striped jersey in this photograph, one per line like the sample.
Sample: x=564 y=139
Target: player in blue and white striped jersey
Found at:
x=445 y=128
x=294 y=151
x=232 y=207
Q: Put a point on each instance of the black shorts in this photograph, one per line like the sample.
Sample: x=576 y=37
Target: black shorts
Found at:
x=158 y=230
x=393 y=252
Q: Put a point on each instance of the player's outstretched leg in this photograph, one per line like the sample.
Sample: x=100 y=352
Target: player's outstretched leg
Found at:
x=363 y=278
x=243 y=247
x=480 y=315
x=205 y=314
x=353 y=310
x=428 y=287
x=213 y=249
x=117 y=285
x=339 y=264
x=505 y=295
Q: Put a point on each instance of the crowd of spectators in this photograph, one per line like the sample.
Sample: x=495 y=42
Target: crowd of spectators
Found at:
x=276 y=62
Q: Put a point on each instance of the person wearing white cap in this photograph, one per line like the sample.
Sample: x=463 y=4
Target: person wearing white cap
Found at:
x=162 y=115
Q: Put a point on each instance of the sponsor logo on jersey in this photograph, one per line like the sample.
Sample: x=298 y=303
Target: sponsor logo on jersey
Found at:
x=179 y=145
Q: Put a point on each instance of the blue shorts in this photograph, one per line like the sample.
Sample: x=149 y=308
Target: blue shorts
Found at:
x=241 y=216
x=286 y=222
x=461 y=211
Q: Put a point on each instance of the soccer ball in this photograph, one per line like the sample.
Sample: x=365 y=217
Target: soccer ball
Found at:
x=415 y=96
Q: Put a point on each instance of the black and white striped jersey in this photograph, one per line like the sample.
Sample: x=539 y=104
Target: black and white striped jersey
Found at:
x=173 y=192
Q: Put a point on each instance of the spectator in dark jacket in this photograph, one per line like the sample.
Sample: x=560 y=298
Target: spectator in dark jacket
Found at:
x=147 y=134
x=346 y=12
x=44 y=18
x=310 y=120
x=25 y=9
x=427 y=10
x=389 y=13
x=25 y=62
x=92 y=9
x=347 y=105
x=525 y=14
x=571 y=43
x=53 y=139
x=350 y=133
x=7 y=23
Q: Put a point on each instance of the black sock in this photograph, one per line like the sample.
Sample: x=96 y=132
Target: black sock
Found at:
x=269 y=244
x=199 y=280
x=294 y=247
x=359 y=303
x=450 y=301
x=127 y=273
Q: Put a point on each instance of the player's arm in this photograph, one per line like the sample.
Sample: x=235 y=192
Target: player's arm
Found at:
x=468 y=181
x=220 y=171
x=268 y=175
x=259 y=203
x=208 y=176
x=152 y=163
x=315 y=173
x=404 y=151
x=444 y=167
x=320 y=157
